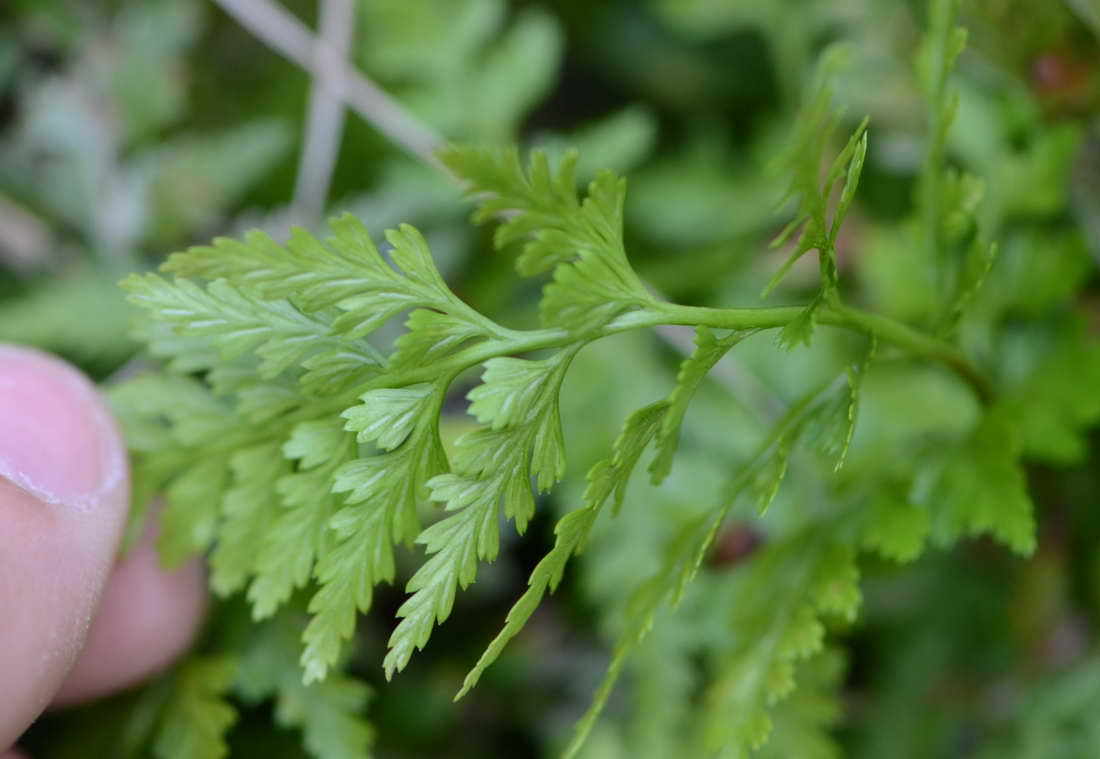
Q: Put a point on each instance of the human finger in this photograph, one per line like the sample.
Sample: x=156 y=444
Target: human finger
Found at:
x=148 y=616
x=64 y=494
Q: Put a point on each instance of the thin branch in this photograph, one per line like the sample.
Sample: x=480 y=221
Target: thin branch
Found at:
x=325 y=125
x=284 y=33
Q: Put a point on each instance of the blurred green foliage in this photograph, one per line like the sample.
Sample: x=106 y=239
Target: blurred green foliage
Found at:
x=132 y=128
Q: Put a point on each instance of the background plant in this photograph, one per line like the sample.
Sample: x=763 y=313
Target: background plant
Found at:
x=970 y=352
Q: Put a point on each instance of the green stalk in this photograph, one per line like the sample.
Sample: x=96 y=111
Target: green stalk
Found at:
x=910 y=340
x=906 y=338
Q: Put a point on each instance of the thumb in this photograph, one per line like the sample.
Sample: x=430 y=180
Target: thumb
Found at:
x=64 y=492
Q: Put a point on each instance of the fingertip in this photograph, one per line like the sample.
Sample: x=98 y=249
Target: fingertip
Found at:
x=147 y=618
x=58 y=440
x=63 y=501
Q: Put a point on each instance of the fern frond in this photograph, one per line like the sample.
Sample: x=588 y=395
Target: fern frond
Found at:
x=196 y=716
x=329 y=713
x=802 y=577
x=803 y=159
x=518 y=401
x=709 y=350
x=580 y=240
x=979 y=487
x=606 y=478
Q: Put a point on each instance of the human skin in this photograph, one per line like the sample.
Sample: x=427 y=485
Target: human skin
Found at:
x=76 y=622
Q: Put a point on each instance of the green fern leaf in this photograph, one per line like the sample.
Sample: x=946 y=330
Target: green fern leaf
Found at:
x=641 y=609
x=800 y=330
x=537 y=203
x=277 y=332
x=329 y=713
x=805 y=154
x=388 y=416
x=803 y=576
x=709 y=350
x=241 y=538
x=190 y=518
x=979 y=487
x=518 y=399
x=196 y=717
x=299 y=532
x=572 y=531
x=580 y=240
x=383 y=492
x=894 y=528
x=802 y=721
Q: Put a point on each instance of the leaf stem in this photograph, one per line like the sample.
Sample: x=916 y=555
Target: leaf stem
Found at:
x=903 y=336
x=656 y=314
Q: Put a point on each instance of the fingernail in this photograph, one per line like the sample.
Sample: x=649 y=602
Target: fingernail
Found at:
x=57 y=441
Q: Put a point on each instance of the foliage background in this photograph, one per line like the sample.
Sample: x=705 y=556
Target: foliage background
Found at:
x=129 y=129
